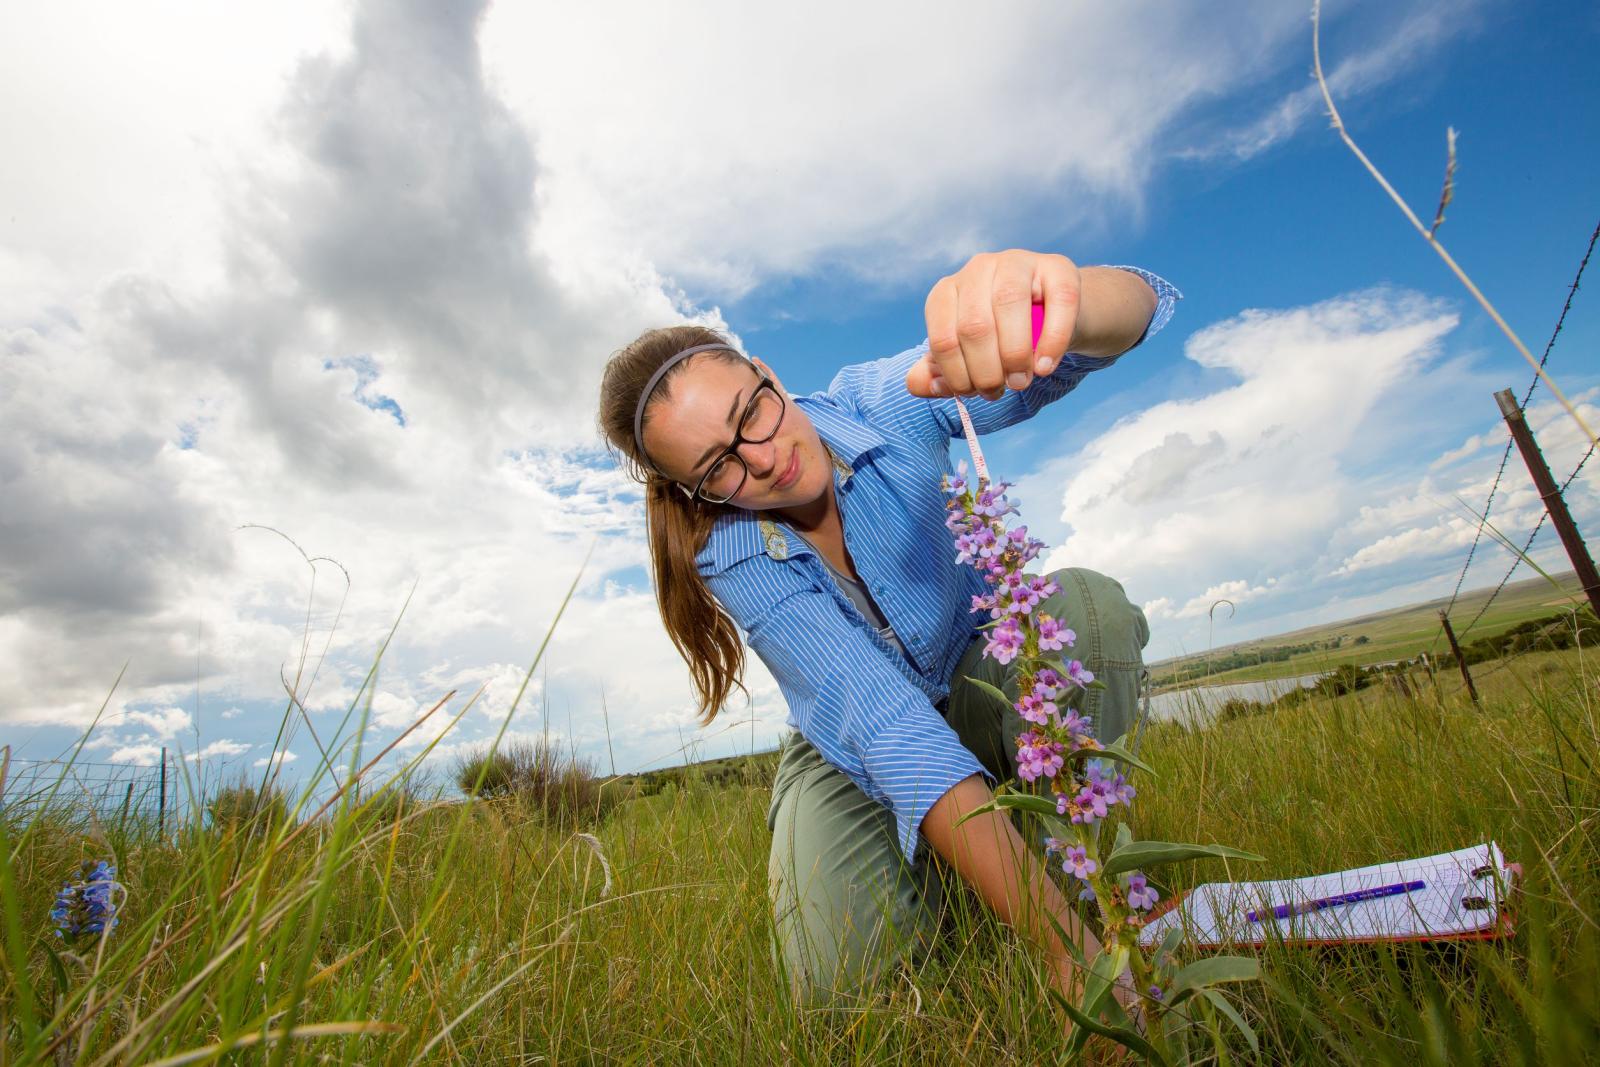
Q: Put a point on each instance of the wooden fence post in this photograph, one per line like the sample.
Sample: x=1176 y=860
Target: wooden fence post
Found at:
x=1554 y=505
x=1466 y=675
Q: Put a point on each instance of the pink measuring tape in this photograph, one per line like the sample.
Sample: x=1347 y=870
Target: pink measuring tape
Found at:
x=978 y=465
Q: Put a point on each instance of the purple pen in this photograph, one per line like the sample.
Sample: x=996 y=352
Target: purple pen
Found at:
x=1284 y=911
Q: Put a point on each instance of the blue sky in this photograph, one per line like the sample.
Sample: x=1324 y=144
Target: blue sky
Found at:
x=372 y=317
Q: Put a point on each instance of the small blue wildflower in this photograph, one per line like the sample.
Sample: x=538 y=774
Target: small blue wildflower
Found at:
x=88 y=905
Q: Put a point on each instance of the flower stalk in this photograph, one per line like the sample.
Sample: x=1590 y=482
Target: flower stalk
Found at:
x=1075 y=780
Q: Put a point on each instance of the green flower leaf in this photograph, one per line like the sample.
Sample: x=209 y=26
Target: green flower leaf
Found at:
x=1026 y=802
x=1141 y=854
x=987 y=806
x=1123 y=1036
x=1169 y=945
x=59 y=972
x=1211 y=971
x=1114 y=752
x=991 y=690
x=1215 y=997
x=1103 y=974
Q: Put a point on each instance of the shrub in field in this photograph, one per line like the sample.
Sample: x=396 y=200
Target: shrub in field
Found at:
x=1235 y=708
x=247 y=808
x=1346 y=678
x=485 y=774
x=561 y=789
x=396 y=800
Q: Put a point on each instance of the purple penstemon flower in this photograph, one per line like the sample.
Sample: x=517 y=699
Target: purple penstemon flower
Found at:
x=985 y=544
x=1005 y=641
x=1124 y=791
x=1038 y=757
x=1075 y=724
x=1021 y=633
x=1140 y=895
x=1075 y=861
x=1035 y=710
x=1050 y=635
x=1052 y=749
x=1098 y=795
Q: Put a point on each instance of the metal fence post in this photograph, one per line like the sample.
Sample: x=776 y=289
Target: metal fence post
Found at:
x=161 y=804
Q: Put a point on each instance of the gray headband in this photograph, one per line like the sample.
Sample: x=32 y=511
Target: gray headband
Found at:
x=649 y=387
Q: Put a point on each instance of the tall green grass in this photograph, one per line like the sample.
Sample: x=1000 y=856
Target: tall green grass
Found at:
x=482 y=932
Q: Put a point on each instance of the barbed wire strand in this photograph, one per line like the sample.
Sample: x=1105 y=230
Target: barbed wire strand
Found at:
x=1526 y=545
x=1506 y=455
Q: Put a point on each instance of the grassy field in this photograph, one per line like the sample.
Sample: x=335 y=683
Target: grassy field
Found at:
x=478 y=933
x=1399 y=633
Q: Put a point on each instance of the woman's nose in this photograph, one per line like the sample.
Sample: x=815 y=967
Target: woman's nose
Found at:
x=760 y=458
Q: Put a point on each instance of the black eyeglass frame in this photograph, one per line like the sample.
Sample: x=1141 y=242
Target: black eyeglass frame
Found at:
x=740 y=439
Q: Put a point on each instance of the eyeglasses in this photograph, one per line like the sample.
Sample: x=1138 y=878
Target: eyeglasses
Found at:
x=727 y=473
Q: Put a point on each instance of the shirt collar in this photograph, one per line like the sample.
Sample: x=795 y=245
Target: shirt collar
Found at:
x=739 y=534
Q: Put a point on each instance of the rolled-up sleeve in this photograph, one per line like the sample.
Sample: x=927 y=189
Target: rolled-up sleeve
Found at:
x=859 y=712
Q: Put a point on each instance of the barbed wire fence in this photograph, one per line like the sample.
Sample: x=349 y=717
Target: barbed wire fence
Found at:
x=159 y=795
x=1505 y=457
x=110 y=792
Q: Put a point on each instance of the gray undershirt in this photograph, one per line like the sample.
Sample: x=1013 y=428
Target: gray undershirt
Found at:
x=863 y=602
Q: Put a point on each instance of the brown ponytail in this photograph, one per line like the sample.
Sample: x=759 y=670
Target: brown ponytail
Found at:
x=677 y=526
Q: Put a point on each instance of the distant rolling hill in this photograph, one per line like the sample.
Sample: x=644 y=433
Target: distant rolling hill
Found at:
x=1382 y=637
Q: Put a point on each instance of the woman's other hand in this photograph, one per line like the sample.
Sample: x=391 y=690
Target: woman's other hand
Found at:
x=980 y=324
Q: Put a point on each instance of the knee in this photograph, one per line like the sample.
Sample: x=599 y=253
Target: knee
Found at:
x=1102 y=602
x=845 y=959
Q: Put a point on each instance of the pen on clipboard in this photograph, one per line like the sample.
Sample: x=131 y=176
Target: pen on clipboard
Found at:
x=1285 y=911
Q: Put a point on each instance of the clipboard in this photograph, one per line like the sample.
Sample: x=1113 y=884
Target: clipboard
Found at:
x=1464 y=897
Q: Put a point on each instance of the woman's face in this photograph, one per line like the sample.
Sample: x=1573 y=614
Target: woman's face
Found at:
x=690 y=426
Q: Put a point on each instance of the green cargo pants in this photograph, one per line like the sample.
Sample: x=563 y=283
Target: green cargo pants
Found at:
x=845 y=902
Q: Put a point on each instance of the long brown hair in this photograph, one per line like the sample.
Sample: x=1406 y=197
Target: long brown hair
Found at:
x=677 y=526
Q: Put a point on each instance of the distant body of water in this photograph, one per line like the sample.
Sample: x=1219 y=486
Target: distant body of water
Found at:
x=1205 y=699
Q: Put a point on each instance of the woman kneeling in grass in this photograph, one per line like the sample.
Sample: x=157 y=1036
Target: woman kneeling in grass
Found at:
x=815 y=525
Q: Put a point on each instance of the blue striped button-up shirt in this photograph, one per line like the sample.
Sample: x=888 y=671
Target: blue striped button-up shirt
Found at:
x=868 y=709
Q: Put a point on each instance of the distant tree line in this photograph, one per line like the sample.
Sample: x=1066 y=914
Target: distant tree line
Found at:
x=1548 y=633
x=1250 y=657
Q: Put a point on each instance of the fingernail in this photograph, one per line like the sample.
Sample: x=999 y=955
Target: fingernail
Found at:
x=1042 y=366
x=940 y=389
x=1017 y=380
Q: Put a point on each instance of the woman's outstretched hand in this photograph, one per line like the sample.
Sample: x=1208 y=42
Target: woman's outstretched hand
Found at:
x=980 y=321
x=980 y=324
